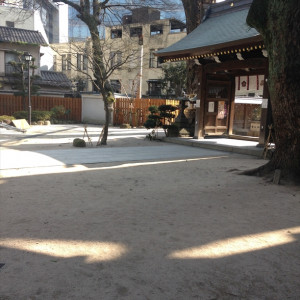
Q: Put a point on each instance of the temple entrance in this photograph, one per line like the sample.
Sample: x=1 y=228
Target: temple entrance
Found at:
x=217 y=108
x=247 y=105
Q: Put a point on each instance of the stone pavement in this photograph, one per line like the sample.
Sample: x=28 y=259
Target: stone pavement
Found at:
x=14 y=159
x=221 y=144
x=19 y=157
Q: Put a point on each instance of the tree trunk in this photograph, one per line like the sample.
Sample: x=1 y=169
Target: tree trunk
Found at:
x=194 y=13
x=101 y=77
x=279 y=24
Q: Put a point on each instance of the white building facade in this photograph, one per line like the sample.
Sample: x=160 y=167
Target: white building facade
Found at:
x=47 y=17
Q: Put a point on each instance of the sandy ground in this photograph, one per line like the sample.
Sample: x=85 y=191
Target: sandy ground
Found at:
x=176 y=229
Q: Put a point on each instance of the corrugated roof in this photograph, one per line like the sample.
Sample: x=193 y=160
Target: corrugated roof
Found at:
x=16 y=35
x=217 y=29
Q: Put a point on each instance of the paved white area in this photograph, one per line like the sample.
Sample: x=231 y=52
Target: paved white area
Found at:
x=14 y=159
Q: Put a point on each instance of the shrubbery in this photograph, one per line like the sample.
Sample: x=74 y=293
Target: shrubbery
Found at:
x=79 y=143
x=58 y=112
x=36 y=115
x=6 y=119
x=163 y=112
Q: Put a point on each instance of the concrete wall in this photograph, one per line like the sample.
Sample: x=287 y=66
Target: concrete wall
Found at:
x=93 y=109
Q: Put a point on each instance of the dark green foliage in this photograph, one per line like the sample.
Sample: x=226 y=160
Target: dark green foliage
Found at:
x=167 y=113
x=154 y=120
x=6 y=119
x=150 y=123
x=79 y=143
x=153 y=109
x=172 y=130
x=174 y=79
x=36 y=115
x=163 y=112
x=58 y=112
x=20 y=75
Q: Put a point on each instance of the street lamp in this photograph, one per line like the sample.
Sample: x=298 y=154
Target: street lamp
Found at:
x=28 y=59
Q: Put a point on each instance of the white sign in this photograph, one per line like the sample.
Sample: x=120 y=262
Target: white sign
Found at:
x=198 y=103
x=211 y=106
x=264 y=103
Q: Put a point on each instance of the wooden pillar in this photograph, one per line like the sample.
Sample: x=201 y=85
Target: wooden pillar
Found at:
x=199 y=116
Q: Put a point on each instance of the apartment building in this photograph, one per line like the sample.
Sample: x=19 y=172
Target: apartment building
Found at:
x=129 y=48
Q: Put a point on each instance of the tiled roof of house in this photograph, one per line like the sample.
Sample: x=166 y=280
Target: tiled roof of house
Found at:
x=223 y=24
x=55 y=79
x=16 y=35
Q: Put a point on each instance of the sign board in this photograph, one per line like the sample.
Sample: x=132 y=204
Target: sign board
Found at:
x=211 y=106
x=21 y=124
x=264 y=103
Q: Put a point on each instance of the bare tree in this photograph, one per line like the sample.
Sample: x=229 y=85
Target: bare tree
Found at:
x=91 y=13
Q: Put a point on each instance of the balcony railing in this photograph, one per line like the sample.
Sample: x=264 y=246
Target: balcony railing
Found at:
x=9 y=69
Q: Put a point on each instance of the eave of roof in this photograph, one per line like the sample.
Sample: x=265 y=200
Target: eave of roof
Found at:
x=17 y=35
x=219 y=31
x=56 y=79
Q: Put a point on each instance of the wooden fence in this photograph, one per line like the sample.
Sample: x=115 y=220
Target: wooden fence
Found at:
x=126 y=110
x=10 y=104
x=135 y=111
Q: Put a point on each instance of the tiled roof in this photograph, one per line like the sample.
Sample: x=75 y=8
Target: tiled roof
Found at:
x=16 y=35
x=56 y=79
x=223 y=24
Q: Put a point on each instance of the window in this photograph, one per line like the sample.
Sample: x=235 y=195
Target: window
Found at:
x=64 y=62
x=156 y=29
x=136 y=32
x=154 y=62
x=9 y=57
x=116 y=33
x=10 y=24
x=115 y=58
x=158 y=61
x=154 y=87
x=54 y=63
x=79 y=59
x=69 y=64
x=152 y=59
x=85 y=63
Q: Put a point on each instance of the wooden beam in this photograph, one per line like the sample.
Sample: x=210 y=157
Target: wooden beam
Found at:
x=252 y=63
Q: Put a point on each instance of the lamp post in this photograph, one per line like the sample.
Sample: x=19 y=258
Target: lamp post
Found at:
x=28 y=59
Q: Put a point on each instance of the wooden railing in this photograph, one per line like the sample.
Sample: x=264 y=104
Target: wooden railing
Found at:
x=10 y=104
x=135 y=111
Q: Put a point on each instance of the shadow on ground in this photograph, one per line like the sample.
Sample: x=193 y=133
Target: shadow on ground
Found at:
x=186 y=230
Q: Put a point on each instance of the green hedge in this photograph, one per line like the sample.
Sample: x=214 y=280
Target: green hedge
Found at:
x=6 y=119
x=36 y=115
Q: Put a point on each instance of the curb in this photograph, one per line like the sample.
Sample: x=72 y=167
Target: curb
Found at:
x=247 y=150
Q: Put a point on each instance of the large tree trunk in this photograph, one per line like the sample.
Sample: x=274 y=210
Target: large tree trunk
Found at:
x=194 y=13
x=279 y=24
